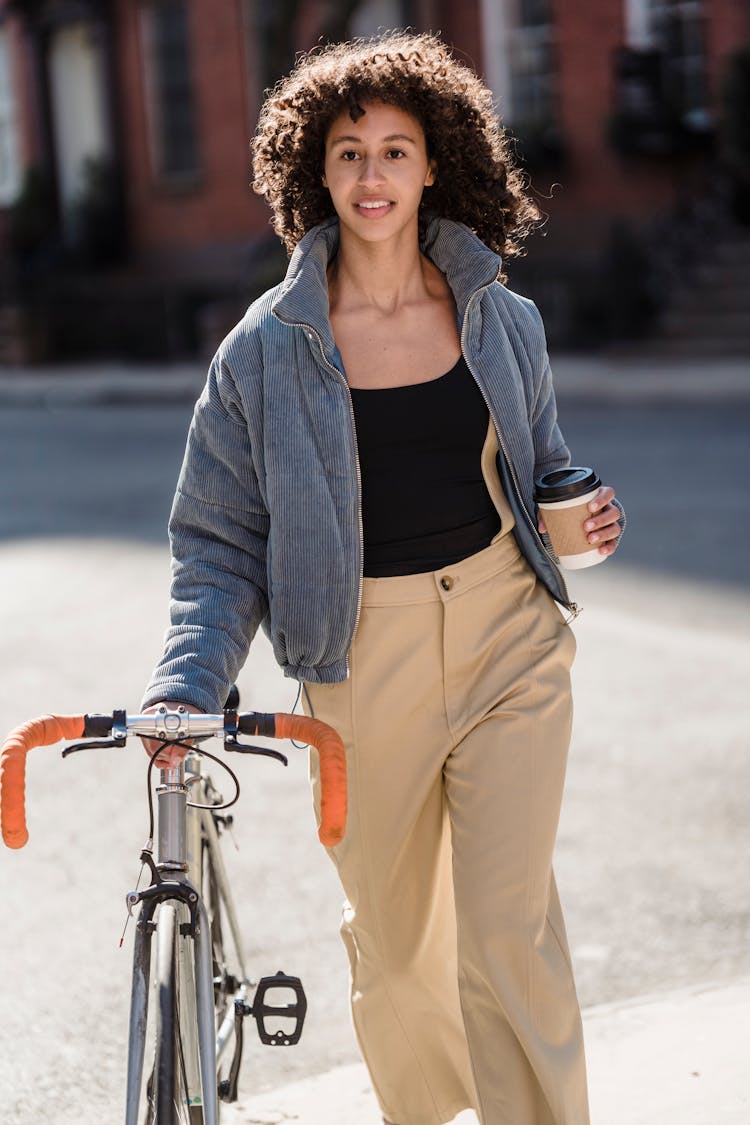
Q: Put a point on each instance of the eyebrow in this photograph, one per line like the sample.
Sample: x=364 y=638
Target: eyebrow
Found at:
x=385 y=140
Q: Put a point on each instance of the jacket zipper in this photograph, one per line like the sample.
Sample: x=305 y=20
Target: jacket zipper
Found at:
x=572 y=607
x=340 y=375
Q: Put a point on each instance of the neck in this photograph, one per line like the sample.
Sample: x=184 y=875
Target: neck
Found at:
x=383 y=275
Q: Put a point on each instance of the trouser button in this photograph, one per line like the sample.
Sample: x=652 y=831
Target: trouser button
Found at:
x=446 y=582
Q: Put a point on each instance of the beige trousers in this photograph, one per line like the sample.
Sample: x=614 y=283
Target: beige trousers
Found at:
x=456 y=719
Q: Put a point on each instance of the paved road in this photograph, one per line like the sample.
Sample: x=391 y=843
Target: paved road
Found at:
x=655 y=830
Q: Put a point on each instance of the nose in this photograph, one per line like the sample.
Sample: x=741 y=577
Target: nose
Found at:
x=370 y=171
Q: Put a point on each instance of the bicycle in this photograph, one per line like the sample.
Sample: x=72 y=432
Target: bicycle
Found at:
x=202 y=991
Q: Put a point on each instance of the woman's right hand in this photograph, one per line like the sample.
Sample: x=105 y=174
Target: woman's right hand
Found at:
x=170 y=756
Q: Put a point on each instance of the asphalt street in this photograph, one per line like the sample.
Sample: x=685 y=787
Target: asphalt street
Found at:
x=652 y=849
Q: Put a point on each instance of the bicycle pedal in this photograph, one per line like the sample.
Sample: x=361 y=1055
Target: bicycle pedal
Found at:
x=261 y=1009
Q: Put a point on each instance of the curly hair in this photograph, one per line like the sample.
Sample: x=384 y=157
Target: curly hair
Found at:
x=477 y=180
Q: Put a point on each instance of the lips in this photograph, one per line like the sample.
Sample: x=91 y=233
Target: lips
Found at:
x=373 y=208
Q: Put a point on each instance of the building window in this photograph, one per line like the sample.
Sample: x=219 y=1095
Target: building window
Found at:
x=532 y=66
x=660 y=88
x=523 y=70
x=169 y=89
x=10 y=158
x=373 y=16
x=677 y=30
x=673 y=33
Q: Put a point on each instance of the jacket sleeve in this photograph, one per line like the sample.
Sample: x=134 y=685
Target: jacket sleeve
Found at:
x=550 y=450
x=218 y=532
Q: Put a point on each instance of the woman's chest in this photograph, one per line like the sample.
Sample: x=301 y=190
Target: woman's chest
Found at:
x=412 y=346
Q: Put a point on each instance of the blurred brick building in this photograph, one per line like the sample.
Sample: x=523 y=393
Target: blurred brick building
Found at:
x=127 y=223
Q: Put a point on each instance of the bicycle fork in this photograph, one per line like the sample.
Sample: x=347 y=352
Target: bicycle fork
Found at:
x=172 y=799
x=179 y=852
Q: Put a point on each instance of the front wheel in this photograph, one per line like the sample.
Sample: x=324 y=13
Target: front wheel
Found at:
x=167 y=1097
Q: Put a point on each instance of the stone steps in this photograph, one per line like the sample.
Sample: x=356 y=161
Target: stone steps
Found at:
x=710 y=315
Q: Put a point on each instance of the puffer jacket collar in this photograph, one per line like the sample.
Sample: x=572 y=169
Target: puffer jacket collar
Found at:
x=467 y=263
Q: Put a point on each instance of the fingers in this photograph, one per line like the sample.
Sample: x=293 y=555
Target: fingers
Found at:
x=168 y=756
x=603 y=498
x=602 y=526
x=609 y=547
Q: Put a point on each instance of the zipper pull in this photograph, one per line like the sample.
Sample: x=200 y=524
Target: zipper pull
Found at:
x=575 y=611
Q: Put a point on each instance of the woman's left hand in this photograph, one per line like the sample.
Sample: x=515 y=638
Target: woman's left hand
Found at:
x=601 y=525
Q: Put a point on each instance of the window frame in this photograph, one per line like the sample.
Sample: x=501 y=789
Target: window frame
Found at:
x=172 y=178
x=11 y=169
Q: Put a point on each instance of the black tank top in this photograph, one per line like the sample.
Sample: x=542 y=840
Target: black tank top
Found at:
x=425 y=503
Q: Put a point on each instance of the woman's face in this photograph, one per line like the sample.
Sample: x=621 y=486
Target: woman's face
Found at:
x=376 y=170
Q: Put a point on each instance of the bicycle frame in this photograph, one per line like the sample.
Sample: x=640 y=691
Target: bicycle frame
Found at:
x=182 y=832
x=186 y=946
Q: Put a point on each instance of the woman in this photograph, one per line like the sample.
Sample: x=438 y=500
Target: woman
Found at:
x=393 y=364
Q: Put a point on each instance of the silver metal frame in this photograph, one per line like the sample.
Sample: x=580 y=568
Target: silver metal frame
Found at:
x=182 y=833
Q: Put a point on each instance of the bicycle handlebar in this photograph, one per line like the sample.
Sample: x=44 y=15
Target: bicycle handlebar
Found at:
x=170 y=725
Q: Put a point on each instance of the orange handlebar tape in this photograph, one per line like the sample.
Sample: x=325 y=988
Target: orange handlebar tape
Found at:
x=332 y=770
x=49 y=729
x=43 y=731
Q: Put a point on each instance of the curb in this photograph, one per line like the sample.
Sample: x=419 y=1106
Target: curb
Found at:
x=676 y=1058
x=113 y=385
x=651 y=380
x=585 y=377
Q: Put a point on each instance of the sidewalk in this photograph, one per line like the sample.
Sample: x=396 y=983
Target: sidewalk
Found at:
x=602 y=377
x=614 y=378
x=101 y=384
x=680 y=1058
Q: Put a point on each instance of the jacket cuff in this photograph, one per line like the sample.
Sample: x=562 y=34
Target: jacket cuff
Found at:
x=622 y=522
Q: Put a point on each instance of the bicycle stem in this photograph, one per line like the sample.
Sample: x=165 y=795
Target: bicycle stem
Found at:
x=172 y=840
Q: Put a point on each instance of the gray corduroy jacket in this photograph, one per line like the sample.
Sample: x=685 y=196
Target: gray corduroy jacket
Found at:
x=266 y=525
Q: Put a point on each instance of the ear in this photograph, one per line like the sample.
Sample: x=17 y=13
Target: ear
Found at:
x=324 y=182
x=431 y=174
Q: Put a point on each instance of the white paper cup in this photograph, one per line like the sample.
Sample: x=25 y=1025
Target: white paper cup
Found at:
x=564 y=510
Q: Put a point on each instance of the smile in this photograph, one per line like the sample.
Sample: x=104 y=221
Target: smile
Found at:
x=374 y=207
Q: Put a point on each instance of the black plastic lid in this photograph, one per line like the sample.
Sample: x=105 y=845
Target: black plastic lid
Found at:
x=565 y=484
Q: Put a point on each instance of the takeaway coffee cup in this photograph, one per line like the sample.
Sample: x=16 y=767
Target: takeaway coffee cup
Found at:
x=563 y=496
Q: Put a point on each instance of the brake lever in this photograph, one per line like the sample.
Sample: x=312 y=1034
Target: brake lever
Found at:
x=99 y=725
x=232 y=744
x=94 y=744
